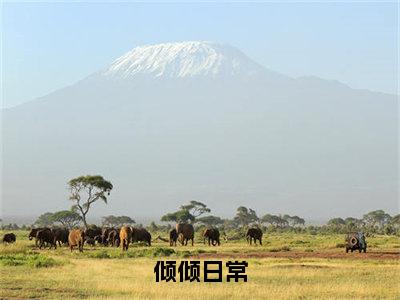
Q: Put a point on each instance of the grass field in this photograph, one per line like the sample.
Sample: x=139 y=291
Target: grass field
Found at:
x=287 y=266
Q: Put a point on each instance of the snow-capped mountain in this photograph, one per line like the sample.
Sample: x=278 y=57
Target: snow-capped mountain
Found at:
x=198 y=120
x=184 y=59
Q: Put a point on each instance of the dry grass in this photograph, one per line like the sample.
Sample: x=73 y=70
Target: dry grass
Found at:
x=120 y=277
x=268 y=278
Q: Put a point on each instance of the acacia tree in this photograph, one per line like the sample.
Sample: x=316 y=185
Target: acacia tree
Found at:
x=117 y=221
x=293 y=220
x=180 y=216
x=376 y=218
x=67 y=218
x=210 y=220
x=187 y=213
x=44 y=220
x=86 y=190
x=196 y=208
x=244 y=216
x=274 y=220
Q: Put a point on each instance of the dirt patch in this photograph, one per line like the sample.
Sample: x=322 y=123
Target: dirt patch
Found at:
x=378 y=255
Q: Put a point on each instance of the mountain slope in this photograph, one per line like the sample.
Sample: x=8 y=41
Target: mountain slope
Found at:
x=197 y=120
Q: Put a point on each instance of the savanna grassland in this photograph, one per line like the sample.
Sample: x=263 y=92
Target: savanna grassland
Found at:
x=286 y=266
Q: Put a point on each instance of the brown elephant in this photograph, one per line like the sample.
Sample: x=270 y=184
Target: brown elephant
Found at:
x=125 y=235
x=255 y=234
x=185 y=233
x=141 y=235
x=173 y=237
x=76 y=238
x=212 y=234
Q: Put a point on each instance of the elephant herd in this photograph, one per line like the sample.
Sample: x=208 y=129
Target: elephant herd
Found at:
x=122 y=237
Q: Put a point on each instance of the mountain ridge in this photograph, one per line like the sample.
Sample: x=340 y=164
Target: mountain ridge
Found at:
x=267 y=142
x=129 y=66
x=182 y=59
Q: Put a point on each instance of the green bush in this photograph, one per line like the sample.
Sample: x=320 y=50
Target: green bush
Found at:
x=160 y=251
x=31 y=260
x=101 y=254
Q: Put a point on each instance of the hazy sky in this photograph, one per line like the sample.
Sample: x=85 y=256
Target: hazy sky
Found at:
x=48 y=46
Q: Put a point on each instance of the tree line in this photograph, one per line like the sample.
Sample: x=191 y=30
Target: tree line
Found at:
x=85 y=191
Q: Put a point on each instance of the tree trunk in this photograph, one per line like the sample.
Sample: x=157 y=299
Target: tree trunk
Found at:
x=84 y=221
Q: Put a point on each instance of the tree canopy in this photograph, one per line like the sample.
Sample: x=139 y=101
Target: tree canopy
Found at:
x=245 y=216
x=44 y=220
x=376 y=218
x=210 y=220
x=180 y=216
x=293 y=220
x=187 y=213
x=275 y=220
x=196 y=208
x=117 y=221
x=86 y=190
x=67 y=218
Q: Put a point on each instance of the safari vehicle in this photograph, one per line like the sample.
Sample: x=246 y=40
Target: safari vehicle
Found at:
x=356 y=241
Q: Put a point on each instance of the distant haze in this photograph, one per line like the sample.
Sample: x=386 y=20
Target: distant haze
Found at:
x=176 y=122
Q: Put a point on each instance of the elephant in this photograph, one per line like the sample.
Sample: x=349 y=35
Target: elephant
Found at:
x=46 y=236
x=34 y=231
x=173 y=236
x=104 y=235
x=185 y=233
x=92 y=231
x=125 y=235
x=141 y=235
x=76 y=238
x=113 y=238
x=61 y=235
x=212 y=234
x=9 y=238
x=255 y=234
x=90 y=241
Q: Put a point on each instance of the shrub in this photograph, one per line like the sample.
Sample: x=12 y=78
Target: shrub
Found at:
x=31 y=260
x=102 y=255
x=159 y=251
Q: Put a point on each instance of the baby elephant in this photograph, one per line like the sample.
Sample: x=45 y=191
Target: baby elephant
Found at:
x=173 y=237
